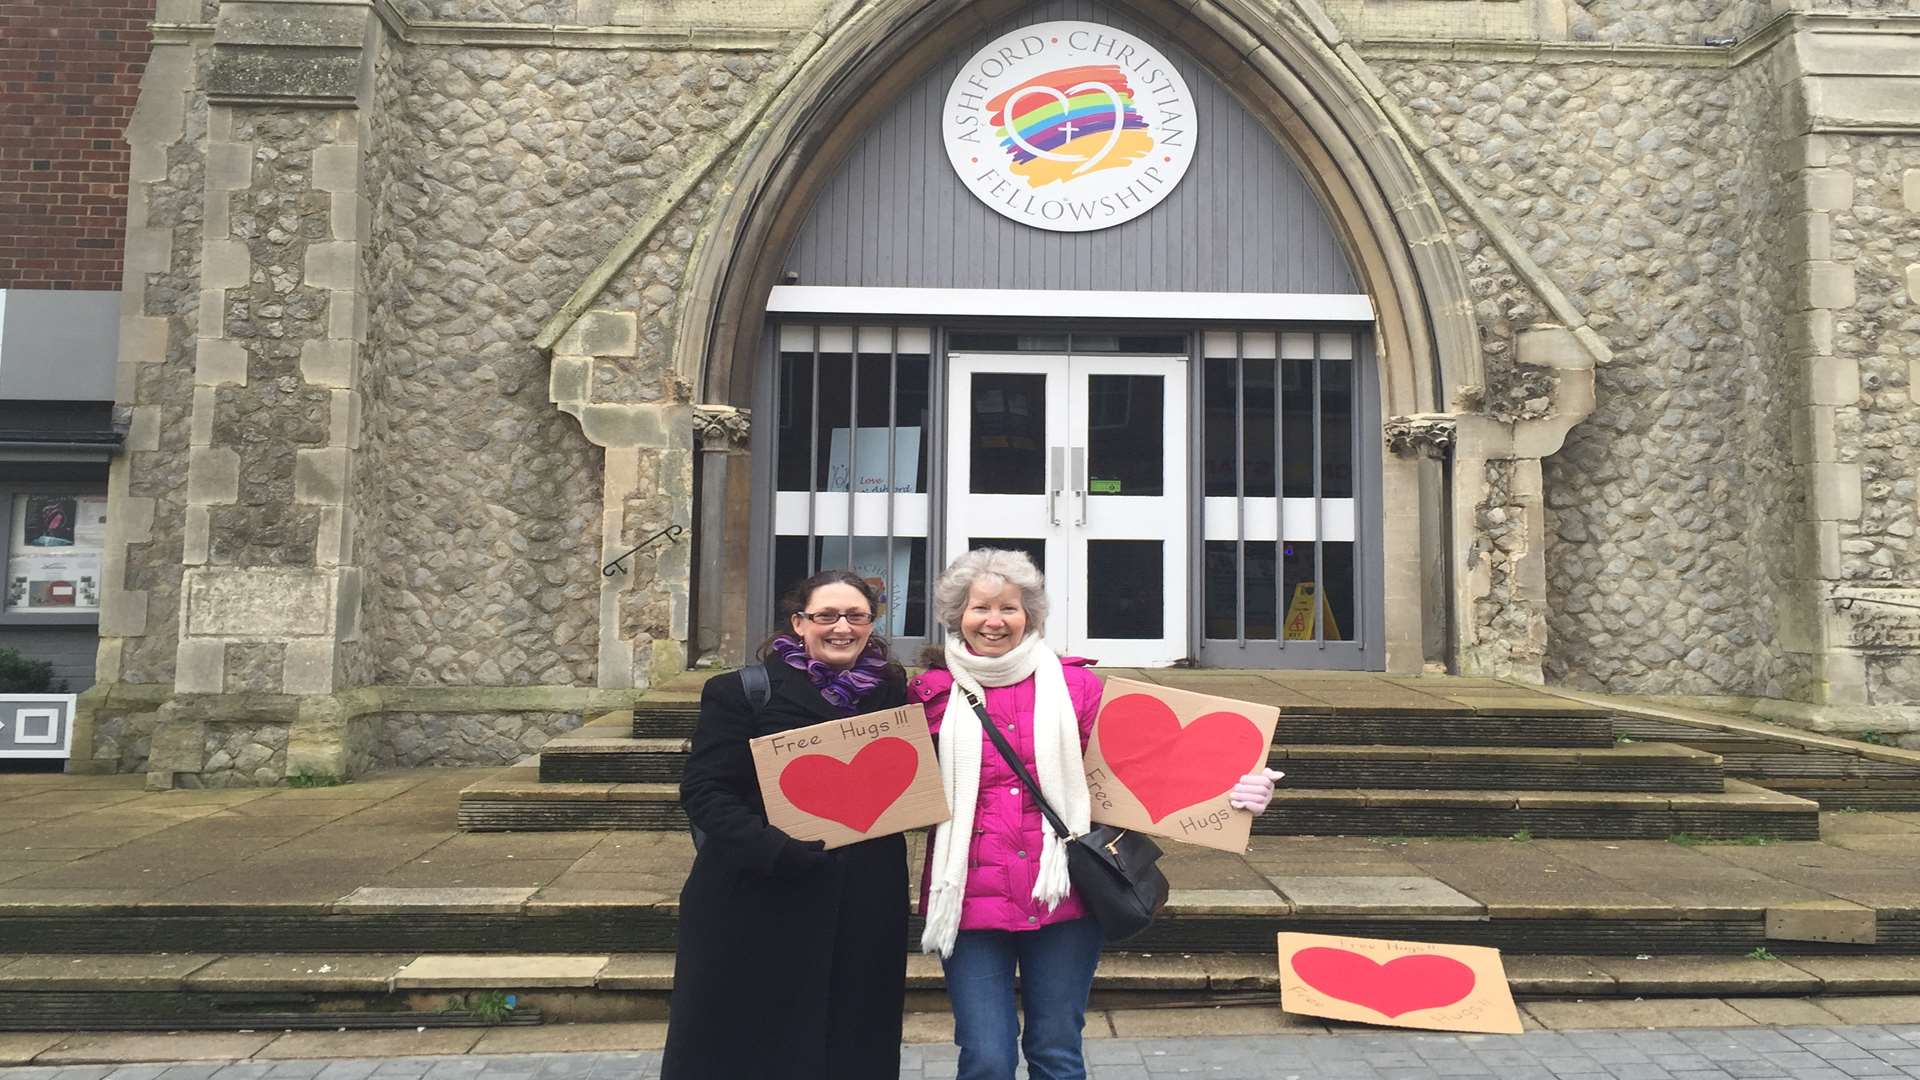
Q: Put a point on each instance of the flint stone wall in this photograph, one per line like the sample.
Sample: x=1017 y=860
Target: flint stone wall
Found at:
x=507 y=179
x=1623 y=185
x=241 y=755
x=413 y=740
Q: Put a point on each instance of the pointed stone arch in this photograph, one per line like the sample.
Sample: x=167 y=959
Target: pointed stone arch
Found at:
x=1284 y=64
x=1292 y=71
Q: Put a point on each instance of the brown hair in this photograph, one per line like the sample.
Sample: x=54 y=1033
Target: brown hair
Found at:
x=794 y=601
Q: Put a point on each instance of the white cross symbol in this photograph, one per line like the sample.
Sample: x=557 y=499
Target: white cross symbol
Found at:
x=1068 y=128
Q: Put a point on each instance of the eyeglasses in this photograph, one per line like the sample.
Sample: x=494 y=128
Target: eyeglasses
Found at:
x=828 y=618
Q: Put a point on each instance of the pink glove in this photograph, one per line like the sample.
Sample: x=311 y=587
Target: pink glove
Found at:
x=1254 y=791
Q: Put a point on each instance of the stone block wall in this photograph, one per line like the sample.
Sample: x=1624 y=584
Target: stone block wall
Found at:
x=348 y=444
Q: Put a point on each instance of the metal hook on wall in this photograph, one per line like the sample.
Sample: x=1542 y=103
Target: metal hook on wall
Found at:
x=671 y=534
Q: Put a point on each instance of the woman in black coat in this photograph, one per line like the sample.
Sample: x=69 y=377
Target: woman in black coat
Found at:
x=792 y=961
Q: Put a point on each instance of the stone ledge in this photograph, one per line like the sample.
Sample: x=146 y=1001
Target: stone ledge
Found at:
x=502 y=972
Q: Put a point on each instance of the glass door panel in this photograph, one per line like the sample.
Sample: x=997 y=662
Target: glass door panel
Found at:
x=1280 y=579
x=1071 y=459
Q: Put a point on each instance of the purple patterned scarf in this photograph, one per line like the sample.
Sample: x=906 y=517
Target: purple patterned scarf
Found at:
x=842 y=687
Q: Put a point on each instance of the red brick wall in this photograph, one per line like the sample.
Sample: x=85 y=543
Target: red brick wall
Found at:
x=69 y=75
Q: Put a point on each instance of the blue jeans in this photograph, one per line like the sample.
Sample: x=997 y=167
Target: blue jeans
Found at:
x=1056 y=974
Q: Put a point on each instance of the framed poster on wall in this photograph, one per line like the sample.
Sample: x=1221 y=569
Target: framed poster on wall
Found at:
x=55 y=542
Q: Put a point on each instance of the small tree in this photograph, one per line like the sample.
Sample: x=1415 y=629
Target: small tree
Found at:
x=19 y=675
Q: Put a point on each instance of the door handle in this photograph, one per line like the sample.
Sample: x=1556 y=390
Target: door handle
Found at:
x=1080 y=484
x=1058 y=460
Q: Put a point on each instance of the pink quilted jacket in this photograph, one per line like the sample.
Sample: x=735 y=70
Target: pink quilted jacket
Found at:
x=1004 y=854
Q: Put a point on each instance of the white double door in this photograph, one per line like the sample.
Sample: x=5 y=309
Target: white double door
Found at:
x=1081 y=461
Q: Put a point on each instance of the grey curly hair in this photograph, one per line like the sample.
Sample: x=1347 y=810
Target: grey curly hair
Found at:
x=992 y=566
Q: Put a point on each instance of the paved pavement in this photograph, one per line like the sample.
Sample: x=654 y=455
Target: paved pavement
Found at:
x=1784 y=1053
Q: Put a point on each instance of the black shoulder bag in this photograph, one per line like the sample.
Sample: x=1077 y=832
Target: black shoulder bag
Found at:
x=1111 y=868
x=759 y=688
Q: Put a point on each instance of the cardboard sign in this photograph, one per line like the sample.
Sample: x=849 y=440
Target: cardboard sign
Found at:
x=850 y=780
x=1162 y=761
x=1396 y=983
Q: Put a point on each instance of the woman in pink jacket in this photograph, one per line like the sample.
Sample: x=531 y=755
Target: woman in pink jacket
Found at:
x=995 y=891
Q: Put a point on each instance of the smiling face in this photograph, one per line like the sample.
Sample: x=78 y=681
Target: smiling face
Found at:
x=840 y=643
x=994 y=620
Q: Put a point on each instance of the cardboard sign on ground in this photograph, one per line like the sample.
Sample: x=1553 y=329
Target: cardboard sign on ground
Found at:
x=850 y=780
x=1162 y=761
x=1406 y=984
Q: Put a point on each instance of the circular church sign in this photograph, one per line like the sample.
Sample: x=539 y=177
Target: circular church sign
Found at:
x=1069 y=126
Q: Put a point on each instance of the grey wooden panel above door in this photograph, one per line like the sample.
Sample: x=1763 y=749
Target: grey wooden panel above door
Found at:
x=1243 y=219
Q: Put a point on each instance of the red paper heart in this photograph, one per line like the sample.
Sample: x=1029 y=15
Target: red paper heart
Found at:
x=1402 y=985
x=854 y=793
x=1168 y=767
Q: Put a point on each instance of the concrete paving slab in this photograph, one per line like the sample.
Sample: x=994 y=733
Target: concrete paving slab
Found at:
x=1703 y=976
x=1863 y=974
x=1874 y=1009
x=572 y=1038
x=428 y=875
x=1833 y=826
x=644 y=971
x=15 y=871
x=318 y=972
x=1684 y=877
x=1210 y=1021
x=1555 y=975
x=405 y=1042
x=28 y=901
x=458 y=972
x=1889 y=881
x=112 y=1048
x=1520 y=880
x=1150 y=971
x=1242 y=972
x=144 y=971
x=385 y=900
x=321 y=809
x=936 y=1028
x=1621 y=1013
x=1783 y=1012
x=1375 y=896
x=493 y=847
x=1225 y=902
x=1823 y=920
x=20 y=1047
x=1194 y=867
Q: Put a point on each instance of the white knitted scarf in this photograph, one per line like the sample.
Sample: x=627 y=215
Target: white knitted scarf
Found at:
x=1057 y=766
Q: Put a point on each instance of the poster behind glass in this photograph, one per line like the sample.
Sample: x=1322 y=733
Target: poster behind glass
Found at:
x=53 y=552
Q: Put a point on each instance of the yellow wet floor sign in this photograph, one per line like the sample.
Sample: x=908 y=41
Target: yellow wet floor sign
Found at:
x=1300 y=615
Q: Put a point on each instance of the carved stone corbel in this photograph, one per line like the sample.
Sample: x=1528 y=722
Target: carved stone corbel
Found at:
x=1421 y=435
x=721 y=427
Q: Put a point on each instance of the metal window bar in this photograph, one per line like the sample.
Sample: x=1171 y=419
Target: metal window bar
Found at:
x=853 y=438
x=813 y=455
x=1319 y=521
x=1239 y=488
x=896 y=590
x=1279 y=491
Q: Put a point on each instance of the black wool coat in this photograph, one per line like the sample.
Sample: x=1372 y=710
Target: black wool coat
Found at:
x=785 y=971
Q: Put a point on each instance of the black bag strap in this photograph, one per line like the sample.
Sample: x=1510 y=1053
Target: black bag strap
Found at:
x=1019 y=767
x=759 y=687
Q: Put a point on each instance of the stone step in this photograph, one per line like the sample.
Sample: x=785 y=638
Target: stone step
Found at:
x=673 y=717
x=40 y=988
x=1835 y=778
x=616 y=760
x=1493 y=727
x=181 y=939
x=1636 y=767
x=521 y=804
